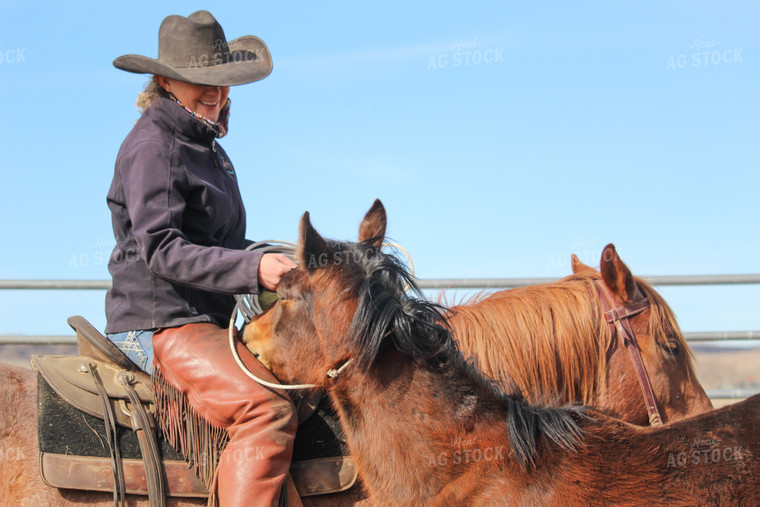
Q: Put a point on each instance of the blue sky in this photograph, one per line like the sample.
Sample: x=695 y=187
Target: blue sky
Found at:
x=501 y=136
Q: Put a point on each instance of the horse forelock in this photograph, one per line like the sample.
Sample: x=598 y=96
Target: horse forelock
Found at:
x=391 y=307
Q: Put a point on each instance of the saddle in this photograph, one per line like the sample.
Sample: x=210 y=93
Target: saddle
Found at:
x=97 y=431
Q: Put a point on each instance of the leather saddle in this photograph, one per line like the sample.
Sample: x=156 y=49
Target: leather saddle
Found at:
x=101 y=396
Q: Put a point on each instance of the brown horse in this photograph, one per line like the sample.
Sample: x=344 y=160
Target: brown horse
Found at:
x=553 y=343
x=427 y=428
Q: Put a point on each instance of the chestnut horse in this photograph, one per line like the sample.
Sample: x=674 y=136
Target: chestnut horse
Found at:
x=427 y=428
x=553 y=343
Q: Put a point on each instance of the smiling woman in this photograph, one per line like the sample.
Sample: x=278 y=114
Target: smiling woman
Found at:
x=205 y=101
x=175 y=203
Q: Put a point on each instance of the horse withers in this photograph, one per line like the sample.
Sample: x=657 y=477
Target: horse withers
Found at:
x=553 y=342
x=427 y=428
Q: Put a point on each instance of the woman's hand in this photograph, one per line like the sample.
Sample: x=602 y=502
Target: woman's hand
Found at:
x=271 y=268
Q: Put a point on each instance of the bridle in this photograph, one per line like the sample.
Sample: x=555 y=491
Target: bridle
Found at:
x=618 y=320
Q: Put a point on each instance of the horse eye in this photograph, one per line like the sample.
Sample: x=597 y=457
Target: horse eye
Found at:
x=672 y=347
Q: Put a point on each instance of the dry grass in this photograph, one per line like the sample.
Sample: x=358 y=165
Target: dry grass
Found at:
x=725 y=368
x=19 y=354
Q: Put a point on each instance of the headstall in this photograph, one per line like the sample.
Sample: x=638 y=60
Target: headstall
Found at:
x=620 y=326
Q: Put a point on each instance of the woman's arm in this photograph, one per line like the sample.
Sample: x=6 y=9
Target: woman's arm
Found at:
x=155 y=191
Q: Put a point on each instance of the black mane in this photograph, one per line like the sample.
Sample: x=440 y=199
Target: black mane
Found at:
x=392 y=308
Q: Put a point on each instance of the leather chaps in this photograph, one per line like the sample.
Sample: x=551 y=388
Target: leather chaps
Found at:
x=240 y=434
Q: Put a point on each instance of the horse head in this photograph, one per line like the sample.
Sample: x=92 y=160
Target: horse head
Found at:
x=343 y=303
x=666 y=356
x=285 y=338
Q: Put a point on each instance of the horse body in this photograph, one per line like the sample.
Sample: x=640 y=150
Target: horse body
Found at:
x=468 y=457
x=427 y=428
x=552 y=342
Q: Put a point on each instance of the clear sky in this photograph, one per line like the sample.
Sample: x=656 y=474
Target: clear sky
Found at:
x=501 y=137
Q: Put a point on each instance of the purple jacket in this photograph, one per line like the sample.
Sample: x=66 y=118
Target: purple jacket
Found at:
x=179 y=224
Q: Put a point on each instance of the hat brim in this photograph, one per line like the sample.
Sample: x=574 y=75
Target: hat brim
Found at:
x=249 y=60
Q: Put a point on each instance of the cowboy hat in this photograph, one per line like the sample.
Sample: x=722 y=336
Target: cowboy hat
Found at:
x=194 y=49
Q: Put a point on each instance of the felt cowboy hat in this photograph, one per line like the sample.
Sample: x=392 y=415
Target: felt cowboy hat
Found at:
x=194 y=49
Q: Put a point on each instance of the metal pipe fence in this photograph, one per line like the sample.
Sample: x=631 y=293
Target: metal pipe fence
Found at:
x=717 y=336
x=440 y=284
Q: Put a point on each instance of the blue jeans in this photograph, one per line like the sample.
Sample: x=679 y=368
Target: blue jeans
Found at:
x=137 y=345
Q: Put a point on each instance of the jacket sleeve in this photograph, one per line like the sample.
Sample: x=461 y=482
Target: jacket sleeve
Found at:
x=155 y=198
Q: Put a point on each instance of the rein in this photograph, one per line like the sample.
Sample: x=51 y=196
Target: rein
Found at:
x=618 y=320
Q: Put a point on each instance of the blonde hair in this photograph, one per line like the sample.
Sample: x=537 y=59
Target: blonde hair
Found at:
x=146 y=97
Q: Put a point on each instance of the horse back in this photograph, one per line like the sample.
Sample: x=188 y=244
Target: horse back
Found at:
x=711 y=458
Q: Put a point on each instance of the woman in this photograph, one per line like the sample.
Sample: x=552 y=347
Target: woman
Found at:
x=179 y=224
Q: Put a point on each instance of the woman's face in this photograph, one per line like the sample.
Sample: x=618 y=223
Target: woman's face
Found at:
x=206 y=101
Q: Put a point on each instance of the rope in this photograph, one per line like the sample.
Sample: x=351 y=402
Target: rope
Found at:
x=248 y=306
x=250 y=373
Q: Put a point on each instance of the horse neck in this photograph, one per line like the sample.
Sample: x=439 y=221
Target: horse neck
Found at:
x=550 y=340
x=400 y=418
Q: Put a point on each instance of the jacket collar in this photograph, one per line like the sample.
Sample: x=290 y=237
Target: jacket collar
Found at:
x=179 y=120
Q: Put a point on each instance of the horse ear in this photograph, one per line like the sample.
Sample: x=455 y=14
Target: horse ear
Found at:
x=372 y=228
x=617 y=277
x=578 y=266
x=313 y=251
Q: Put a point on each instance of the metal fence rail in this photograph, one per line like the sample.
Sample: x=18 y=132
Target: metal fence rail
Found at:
x=505 y=283
x=716 y=336
x=440 y=284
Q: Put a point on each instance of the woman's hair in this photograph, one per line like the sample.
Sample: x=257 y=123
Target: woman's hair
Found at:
x=146 y=97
